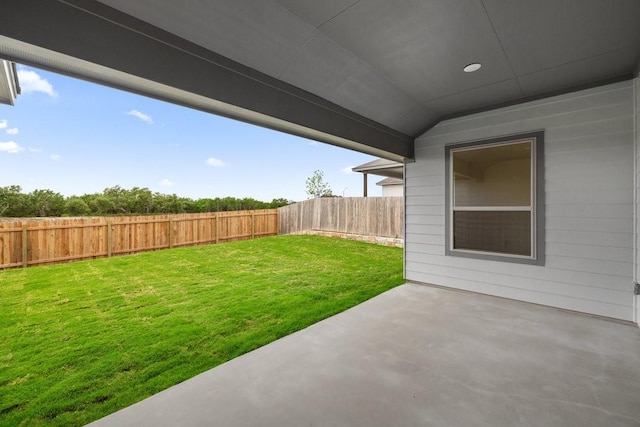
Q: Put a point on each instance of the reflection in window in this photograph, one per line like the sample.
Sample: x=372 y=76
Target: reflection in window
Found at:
x=492 y=198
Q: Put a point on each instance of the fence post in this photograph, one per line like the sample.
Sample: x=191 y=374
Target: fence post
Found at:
x=171 y=233
x=25 y=249
x=109 y=239
x=216 y=217
x=253 y=223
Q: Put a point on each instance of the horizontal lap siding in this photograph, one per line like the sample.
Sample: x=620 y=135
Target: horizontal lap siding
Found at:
x=588 y=204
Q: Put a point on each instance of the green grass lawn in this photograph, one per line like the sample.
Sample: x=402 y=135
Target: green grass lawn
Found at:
x=82 y=340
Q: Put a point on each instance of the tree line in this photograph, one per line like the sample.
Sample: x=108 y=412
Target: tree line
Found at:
x=117 y=201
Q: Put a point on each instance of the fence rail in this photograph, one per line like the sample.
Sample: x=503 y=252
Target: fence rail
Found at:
x=364 y=216
x=36 y=241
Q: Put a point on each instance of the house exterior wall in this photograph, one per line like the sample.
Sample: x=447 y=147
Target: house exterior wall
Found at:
x=589 y=204
x=393 y=190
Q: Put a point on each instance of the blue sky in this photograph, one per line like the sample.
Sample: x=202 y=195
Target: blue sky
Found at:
x=76 y=137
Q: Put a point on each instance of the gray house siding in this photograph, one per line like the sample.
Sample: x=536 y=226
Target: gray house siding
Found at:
x=589 y=204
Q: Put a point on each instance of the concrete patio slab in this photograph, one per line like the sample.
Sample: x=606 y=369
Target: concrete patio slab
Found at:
x=419 y=355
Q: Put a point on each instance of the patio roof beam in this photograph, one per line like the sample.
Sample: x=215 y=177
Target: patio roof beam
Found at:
x=89 y=40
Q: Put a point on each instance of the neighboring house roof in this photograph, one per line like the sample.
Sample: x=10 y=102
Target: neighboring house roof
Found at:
x=390 y=181
x=382 y=167
x=9 y=86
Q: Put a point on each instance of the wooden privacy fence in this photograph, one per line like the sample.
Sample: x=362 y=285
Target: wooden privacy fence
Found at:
x=364 y=216
x=35 y=241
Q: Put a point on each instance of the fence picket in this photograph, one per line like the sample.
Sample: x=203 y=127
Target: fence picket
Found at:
x=25 y=242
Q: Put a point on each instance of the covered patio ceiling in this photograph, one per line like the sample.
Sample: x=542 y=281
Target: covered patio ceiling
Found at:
x=369 y=75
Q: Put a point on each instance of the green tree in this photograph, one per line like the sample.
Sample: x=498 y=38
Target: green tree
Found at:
x=316 y=185
x=46 y=203
x=118 y=201
x=101 y=205
x=171 y=203
x=278 y=203
x=139 y=200
x=13 y=202
x=76 y=206
x=119 y=198
x=205 y=205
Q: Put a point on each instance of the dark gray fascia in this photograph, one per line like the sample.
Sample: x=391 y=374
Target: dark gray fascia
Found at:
x=96 y=33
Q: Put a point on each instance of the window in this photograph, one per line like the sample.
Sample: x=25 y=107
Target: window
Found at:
x=495 y=198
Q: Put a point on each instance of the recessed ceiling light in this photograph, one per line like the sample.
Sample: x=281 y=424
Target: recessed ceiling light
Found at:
x=472 y=67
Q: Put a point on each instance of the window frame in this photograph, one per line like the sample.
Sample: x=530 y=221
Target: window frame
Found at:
x=537 y=198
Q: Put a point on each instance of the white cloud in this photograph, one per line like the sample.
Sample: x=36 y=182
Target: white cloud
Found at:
x=11 y=147
x=166 y=183
x=212 y=161
x=35 y=150
x=30 y=81
x=12 y=131
x=314 y=143
x=3 y=124
x=142 y=116
x=55 y=157
x=348 y=169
